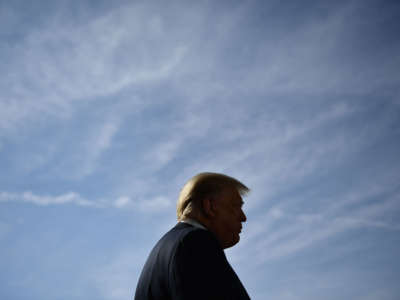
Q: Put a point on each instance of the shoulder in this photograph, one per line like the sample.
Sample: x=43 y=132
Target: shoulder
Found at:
x=187 y=233
x=186 y=236
x=197 y=245
x=193 y=236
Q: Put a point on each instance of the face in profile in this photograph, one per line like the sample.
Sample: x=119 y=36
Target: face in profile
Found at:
x=228 y=217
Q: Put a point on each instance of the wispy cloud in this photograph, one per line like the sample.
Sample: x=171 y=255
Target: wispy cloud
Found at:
x=55 y=66
x=322 y=61
x=97 y=143
x=151 y=205
x=281 y=233
x=112 y=107
x=45 y=200
x=148 y=205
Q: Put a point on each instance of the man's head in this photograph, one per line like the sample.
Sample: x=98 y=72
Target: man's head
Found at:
x=215 y=201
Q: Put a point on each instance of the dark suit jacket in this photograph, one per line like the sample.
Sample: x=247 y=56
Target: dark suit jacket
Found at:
x=188 y=263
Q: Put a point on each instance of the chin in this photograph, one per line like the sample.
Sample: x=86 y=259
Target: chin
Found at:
x=237 y=240
x=233 y=242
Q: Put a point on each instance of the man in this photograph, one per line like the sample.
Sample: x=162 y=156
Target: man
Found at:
x=189 y=263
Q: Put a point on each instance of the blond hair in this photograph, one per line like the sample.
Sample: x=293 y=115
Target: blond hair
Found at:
x=203 y=185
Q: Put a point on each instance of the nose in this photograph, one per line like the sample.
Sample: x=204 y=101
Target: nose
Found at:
x=243 y=217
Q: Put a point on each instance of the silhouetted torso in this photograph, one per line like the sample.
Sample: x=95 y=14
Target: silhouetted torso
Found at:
x=188 y=263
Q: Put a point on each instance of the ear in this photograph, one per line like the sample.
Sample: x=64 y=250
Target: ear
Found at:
x=209 y=206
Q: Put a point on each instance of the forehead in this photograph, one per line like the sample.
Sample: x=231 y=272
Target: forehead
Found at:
x=232 y=196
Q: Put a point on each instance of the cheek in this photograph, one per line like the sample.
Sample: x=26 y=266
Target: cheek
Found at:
x=238 y=214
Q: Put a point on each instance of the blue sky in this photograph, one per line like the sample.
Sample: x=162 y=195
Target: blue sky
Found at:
x=107 y=108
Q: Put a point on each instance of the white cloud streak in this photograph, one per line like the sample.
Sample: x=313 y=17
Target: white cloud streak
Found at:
x=29 y=197
x=98 y=142
x=150 y=205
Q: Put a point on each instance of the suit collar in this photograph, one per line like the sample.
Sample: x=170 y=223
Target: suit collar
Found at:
x=193 y=223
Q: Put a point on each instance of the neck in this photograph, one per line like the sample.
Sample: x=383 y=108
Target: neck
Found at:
x=194 y=222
